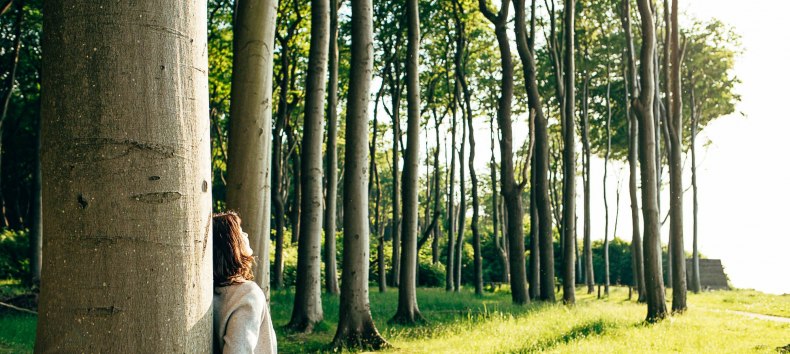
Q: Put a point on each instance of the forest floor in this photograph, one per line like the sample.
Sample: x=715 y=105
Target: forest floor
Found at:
x=717 y=321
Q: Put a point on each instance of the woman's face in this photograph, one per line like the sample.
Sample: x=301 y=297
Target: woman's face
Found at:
x=246 y=241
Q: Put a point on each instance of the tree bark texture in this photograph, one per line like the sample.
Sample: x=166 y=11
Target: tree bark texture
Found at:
x=679 y=285
x=654 y=281
x=569 y=161
x=605 y=176
x=511 y=191
x=355 y=328
x=125 y=178
x=330 y=210
x=589 y=273
x=307 y=311
x=250 y=127
x=408 y=311
x=637 y=259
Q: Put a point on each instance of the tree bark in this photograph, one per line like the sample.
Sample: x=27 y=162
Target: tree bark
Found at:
x=605 y=176
x=307 y=311
x=408 y=312
x=589 y=273
x=250 y=127
x=511 y=191
x=679 y=285
x=637 y=262
x=695 y=280
x=495 y=215
x=126 y=195
x=451 y=224
x=355 y=328
x=569 y=160
x=330 y=211
x=656 y=305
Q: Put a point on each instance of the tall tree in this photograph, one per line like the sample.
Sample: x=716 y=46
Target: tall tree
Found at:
x=6 y=92
x=307 y=311
x=249 y=138
x=408 y=311
x=135 y=191
x=589 y=273
x=605 y=176
x=569 y=160
x=330 y=212
x=355 y=326
x=654 y=280
x=675 y=126
x=633 y=149
x=278 y=176
x=511 y=191
x=695 y=280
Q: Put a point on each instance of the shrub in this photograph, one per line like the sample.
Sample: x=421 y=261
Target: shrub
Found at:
x=14 y=254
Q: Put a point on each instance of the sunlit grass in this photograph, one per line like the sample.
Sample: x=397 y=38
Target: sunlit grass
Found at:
x=464 y=323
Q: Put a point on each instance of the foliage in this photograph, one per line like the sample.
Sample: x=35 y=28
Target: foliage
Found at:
x=14 y=254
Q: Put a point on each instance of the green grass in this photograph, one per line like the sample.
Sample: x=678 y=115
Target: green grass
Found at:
x=745 y=300
x=491 y=324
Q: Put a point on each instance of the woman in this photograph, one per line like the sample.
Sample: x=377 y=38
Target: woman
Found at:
x=242 y=323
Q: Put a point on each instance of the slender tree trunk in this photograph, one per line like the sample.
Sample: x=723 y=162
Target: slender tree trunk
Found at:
x=676 y=173
x=662 y=121
x=450 y=266
x=589 y=273
x=101 y=262
x=656 y=305
x=605 y=176
x=396 y=197
x=382 y=264
x=36 y=222
x=8 y=90
x=355 y=328
x=511 y=191
x=330 y=211
x=408 y=311
x=307 y=311
x=437 y=177
x=295 y=151
x=569 y=160
x=631 y=83
x=459 y=236
x=498 y=242
x=250 y=127
x=695 y=280
x=534 y=234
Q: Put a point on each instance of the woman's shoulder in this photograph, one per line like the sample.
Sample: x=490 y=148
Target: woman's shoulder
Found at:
x=246 y=289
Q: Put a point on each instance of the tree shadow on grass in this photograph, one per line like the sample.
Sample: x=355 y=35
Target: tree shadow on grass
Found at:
x=594 y=328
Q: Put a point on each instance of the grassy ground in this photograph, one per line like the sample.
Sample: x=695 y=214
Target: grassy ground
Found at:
x=465 y=323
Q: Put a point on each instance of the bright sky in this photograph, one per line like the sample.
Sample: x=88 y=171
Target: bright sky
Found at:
x=742 y=178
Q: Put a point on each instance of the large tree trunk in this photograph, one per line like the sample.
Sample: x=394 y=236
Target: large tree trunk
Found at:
x=408 y=311
x=250 y=127
x=307 y=311
x=676 y=173
x=589 y=273
x=656 y=305
x=637 y=263
x=330 y=211
x=355 y=326
x=126 y=194
x=695 y=280
x=511 y=191
x=569 y=161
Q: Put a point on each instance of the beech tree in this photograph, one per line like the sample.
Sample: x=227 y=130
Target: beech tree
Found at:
x=569 y=159
x=408 y=311
x=654 y=280
x=249 y=139
x=511 y=191
x=355 y=326
x=330 y=212
x=307 y=311
x=675 y=126
x=129 y=216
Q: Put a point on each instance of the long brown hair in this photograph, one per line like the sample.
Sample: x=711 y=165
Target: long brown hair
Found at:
x=231 y=265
